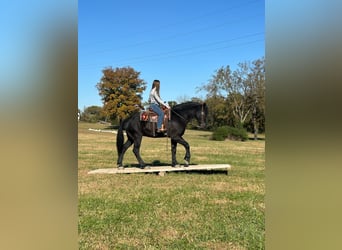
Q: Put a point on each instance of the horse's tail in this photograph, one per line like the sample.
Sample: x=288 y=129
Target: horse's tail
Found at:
x=120 y=138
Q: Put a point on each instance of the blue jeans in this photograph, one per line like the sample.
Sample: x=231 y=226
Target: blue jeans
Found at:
x=157 y=109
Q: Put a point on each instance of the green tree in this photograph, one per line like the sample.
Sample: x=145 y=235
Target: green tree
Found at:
x=120 y=90
x=238 y=89
x=92 y=114
x=257 y=95
x=231 y=86
x=237 y=98
x=218 y=111
x=217 y=84
x=172 y=103
x=216 y=97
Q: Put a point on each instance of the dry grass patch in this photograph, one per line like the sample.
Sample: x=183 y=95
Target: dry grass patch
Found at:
x=223 y=246
x=169 y=234
x=235 y=185
x=220 y=201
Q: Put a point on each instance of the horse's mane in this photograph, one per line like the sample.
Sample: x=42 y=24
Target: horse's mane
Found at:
x=185 y=106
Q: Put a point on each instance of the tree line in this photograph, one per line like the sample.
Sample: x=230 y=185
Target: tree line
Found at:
x=237 y=97
x=234 y=97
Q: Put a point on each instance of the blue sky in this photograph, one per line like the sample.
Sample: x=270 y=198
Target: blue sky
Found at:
x=179 y=42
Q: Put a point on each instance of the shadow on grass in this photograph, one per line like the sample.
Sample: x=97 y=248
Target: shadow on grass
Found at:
x=258 y=139
x=157 y=163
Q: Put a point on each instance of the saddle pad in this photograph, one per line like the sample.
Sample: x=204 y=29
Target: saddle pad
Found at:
x=148 y=116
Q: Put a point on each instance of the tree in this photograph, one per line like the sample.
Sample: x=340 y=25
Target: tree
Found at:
x=238 y=89
x=238 y=97
x=258 y=95
x=172 y=103
x=217 y=83
x=92 y=114
x=233 y=86
x=120 y=90
x=218 y=111
x=215 y=98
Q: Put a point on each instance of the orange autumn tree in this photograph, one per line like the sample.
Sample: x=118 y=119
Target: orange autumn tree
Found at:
x=120 y=90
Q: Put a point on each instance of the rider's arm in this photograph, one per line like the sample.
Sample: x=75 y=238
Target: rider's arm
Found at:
x=158 y=99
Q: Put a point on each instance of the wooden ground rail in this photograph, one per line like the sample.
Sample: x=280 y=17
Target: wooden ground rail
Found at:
x=161 y=170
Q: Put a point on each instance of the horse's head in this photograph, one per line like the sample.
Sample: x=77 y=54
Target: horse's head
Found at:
x=201 y=115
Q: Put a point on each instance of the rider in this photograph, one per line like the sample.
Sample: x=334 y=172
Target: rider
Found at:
x=156 y=102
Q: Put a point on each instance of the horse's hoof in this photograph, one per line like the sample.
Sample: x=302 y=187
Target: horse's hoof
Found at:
x=175 y=164
x=186 y=163
x=120 y=167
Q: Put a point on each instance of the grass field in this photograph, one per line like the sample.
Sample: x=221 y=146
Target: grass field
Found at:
x=180 y=210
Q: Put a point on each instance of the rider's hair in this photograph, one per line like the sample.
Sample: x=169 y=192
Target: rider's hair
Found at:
x=156 y=84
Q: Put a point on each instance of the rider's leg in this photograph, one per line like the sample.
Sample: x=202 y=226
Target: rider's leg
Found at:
x=160 y=113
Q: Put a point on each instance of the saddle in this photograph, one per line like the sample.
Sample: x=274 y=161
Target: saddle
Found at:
x=152 y=117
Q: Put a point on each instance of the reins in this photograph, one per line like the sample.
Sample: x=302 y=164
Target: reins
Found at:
x=178 y=115
x=202 y=116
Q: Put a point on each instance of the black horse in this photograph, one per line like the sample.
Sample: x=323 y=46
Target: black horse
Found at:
x=181 y=115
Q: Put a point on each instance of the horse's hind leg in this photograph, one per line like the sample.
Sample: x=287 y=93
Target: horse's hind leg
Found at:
x=127 y=144
x=136 y=151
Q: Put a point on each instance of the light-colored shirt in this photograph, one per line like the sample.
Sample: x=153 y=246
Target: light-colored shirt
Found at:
x=155 y=98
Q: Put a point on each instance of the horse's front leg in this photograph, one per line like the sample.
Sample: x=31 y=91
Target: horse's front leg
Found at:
x=173 y=152
x=187 y=150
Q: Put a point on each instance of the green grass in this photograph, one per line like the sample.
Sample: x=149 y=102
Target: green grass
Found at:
x=193 y=210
